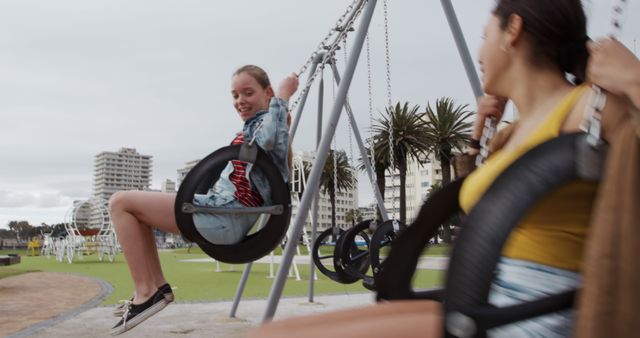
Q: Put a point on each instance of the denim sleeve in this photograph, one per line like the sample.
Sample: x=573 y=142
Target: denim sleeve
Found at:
x=273 y=122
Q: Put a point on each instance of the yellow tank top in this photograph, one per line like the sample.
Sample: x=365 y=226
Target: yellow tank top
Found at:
x=554 y=230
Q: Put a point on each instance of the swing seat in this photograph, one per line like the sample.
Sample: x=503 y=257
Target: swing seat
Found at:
x=335 y=271
x=205 y=174
x=354 y=261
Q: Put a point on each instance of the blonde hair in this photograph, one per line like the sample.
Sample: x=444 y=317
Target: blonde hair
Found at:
x=257 y=73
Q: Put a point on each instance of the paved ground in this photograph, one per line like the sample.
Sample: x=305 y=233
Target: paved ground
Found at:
x=198 y=319
x=69 y=308
x=425 y=263
x=33 y=298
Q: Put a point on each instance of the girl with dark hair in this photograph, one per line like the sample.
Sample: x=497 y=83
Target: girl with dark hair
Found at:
x=535 y=55
x=135 y=213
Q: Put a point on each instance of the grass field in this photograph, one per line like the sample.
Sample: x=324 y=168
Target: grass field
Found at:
x=195 y=281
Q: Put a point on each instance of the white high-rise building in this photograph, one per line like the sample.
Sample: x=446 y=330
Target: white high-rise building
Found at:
x=420 y=177
x=168 y=186
x=182 y=172
x=369 y=211
x=125 y=169
x=346 y=201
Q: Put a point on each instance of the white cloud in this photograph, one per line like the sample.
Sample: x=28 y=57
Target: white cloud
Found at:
x=44 y=200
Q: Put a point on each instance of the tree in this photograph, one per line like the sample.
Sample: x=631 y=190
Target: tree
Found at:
x=344 y=178
x=409 y=142
x=434 y=188
x=447 y=129
x=21 y=229
x=6 y=234
x=353 y=216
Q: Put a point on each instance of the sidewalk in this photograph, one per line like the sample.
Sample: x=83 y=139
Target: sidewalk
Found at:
x=199 y=319
x=79 y=317
x=29 y=300
x=425 y=263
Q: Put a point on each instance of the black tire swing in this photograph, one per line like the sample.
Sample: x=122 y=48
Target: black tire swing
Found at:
x=468 y=313
x=355 y=261
x=205 y=174
x=333 y=270
x=383 y=237
x=324 y=241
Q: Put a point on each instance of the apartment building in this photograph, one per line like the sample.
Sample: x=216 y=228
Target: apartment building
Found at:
x=182 y=172
x=421 y=175
x=125 y=169
x=346 y=202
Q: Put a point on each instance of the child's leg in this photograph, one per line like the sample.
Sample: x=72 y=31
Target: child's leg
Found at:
x=133 y=213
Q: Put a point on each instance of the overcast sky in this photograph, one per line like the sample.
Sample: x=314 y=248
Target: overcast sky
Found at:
x=78 y=77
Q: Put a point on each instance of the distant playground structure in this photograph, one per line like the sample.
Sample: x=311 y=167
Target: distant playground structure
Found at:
x=89 y=230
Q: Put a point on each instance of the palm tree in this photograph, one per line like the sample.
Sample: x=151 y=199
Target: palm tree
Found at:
x=343 y=180
x=409 y=142
x=353 y=216
x=447 y=129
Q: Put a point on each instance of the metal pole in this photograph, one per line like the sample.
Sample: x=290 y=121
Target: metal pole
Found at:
x=303 y=100
x=314 y=213
x=454 y=25
x=322 y=154
x=363 y=150
x=245 y=274
x=241 y=285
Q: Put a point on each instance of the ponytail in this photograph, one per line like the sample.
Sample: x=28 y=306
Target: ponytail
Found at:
x=573 y=58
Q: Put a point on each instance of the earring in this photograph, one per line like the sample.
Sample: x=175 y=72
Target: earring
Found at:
x=505 y=49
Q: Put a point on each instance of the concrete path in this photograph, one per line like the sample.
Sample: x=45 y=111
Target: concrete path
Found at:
x=31 y=300
x=425 y=263
x=177 y=320
x=199 y=319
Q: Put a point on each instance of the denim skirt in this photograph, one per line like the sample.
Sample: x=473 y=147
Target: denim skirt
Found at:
x=518 y=281
x=222 y=229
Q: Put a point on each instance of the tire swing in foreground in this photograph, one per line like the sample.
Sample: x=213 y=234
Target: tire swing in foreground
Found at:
x=485 y=230
x=205 y=174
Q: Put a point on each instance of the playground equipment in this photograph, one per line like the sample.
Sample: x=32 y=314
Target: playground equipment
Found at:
x=97 y=234
x=33 y=246
x=48 y=246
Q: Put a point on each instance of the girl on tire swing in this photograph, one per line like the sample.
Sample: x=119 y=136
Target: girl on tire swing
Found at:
x=136 y=213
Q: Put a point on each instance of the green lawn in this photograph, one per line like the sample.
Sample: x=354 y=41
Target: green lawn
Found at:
x=196 y=281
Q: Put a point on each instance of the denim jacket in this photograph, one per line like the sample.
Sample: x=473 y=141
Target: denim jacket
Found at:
x=273 y=138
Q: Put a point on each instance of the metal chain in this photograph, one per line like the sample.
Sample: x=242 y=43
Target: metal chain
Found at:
x=598 y=98
x=342 y=30
x=372 y=177
x=370 y=93
x=387 y=51
x=352 y=160
x=335 y=148
x=326 y=38
x=490 y=127
x=335 y=170
x=392 y=158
